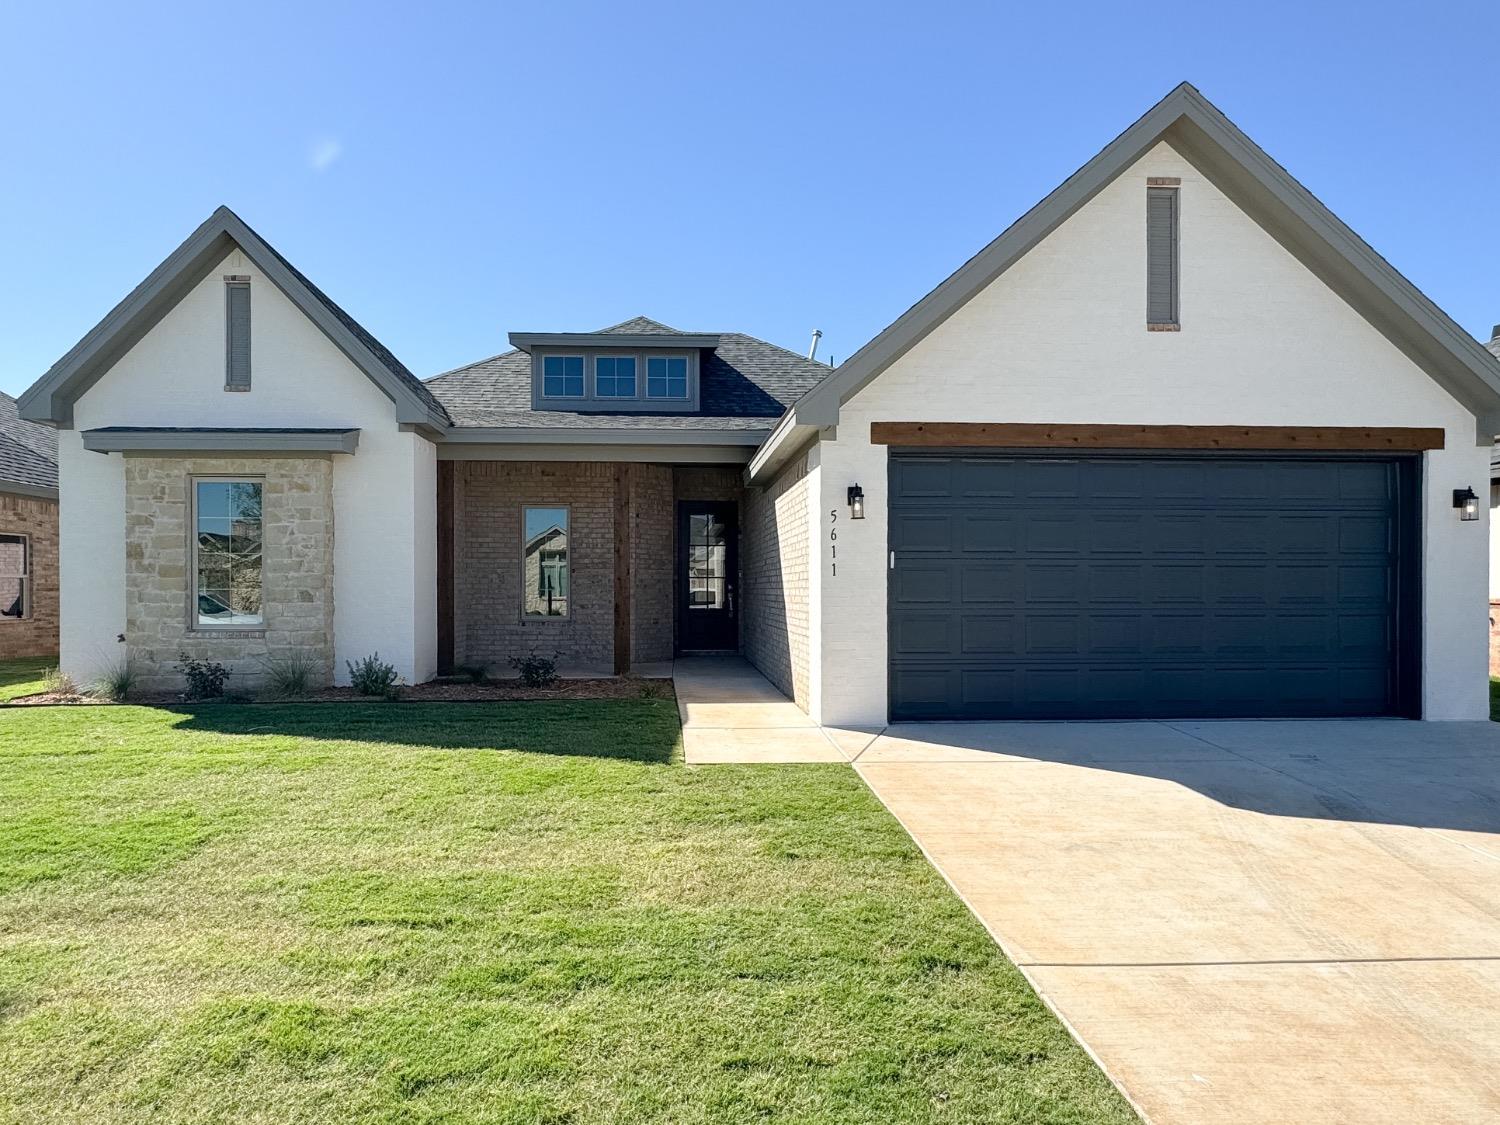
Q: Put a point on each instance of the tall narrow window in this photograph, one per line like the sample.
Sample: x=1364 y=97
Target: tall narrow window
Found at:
x=226 y=553
x=237 y=347
x=1161 y=257
x=614 y=376
x=15 y=577
x=562 y=376
x=544 y=562
x=666 y=376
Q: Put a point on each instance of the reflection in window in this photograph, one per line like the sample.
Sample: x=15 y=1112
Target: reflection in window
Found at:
x=15 y=577
x=707 y=574
x=562 y=376
x=544 y=562
x=666 y=376
x=227 y=561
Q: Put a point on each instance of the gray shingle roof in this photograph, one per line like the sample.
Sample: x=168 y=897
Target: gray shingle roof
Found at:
x=747 y=384
x=28 y=452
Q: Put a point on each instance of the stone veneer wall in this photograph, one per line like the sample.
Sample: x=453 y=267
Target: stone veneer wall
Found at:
x=35 y=518
x=296 y=576
x=775 y=551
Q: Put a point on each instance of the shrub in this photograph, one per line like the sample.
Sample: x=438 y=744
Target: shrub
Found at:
x=57 y=682
x=115 y=683
x=291 y=674
x=373 y=676
x=205 y=678
x=536 y=671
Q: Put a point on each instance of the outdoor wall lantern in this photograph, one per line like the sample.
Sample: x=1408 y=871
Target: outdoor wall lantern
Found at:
x=857 y=502
x=1464 y=500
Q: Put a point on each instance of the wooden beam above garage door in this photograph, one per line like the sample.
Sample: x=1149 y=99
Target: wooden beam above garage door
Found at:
x=1028 y=435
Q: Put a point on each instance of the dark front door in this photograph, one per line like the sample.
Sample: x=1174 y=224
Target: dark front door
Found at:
x=707 y=565
x=1069 y=587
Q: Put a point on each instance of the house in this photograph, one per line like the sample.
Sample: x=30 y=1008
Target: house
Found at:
x=1494 y=347
x=1177 y=443
x=28 y=535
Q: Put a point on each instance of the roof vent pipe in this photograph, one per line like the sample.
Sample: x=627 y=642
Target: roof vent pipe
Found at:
x=812 y=349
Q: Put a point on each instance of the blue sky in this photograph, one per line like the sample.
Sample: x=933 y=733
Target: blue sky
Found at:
x=453 y=172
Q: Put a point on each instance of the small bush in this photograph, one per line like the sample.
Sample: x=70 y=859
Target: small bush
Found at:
x=57 y=682
x=536 y=671
x=205 y=678
x=115 y=683
x=291 y=674
x=373 y=676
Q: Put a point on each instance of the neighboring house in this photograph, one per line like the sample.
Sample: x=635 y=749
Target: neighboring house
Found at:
x=1177 y=443
x=28 y=535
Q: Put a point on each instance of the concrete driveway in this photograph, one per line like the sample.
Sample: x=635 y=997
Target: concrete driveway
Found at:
x=1244 y=922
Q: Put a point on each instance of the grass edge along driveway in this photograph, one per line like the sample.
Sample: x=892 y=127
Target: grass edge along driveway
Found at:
x=525 y=912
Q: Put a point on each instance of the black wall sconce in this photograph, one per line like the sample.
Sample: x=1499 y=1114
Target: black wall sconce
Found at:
x=856 y=502
x=1466 y=503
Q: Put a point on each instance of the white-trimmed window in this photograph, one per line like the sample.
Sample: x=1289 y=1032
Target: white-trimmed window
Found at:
x=226 y=554
x=562 y=376
x=544 y=562
x=614 y=376
x=667 y=376
x=15 y=577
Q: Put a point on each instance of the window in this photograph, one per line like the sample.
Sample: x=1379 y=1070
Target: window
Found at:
x=666 y=376
x=614 y=376
x=1161 y=255
x=15 y=577
x=226 y=553
x=237 y=334
x=562 y=376
x=544 y=562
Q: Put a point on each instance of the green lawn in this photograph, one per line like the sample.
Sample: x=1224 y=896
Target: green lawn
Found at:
x=23 y=677
x=490 y=913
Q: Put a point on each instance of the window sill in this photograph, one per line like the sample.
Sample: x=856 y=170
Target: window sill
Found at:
x=1163 y=327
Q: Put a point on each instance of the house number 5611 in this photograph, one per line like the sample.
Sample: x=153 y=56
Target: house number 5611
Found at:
x=833 y=538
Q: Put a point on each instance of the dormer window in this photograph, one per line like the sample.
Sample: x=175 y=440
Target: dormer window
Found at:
x=562 y=376
x=616 y=372
x=667 y=376
x=614 y=376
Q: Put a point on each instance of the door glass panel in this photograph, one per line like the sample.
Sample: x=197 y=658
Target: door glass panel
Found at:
x=708 y=555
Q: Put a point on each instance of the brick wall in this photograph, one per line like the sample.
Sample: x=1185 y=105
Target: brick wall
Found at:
x=36 y=634
x=296 y=568
x=653 y=563
x=489 y=627
x=774 y=553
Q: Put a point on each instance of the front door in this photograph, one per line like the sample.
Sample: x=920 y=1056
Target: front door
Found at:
x=707 y=565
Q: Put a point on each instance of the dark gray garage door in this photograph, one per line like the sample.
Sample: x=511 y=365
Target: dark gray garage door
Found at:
x=1029 y=587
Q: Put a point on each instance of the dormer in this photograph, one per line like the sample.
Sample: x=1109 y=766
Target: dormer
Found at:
x=615 y=372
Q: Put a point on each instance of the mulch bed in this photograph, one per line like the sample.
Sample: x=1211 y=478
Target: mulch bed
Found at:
x=444 y=691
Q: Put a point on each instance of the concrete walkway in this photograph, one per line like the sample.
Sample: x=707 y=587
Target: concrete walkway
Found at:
x=1244 y=922
x=731 y=713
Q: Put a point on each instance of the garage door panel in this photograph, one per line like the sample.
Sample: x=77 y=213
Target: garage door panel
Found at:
x=1144 y=587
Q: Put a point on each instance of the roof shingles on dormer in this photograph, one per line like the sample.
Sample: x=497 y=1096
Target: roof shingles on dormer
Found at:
x=746 y=384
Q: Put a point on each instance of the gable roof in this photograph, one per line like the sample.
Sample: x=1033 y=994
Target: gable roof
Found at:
x=1198 y=131
x=744 y=384
x=28 y=453
x=51 y=398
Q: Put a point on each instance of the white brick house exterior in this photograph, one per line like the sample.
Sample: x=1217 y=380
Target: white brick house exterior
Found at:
x=721 y=520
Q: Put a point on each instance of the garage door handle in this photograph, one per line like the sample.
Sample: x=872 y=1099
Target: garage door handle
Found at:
x=893 y=560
